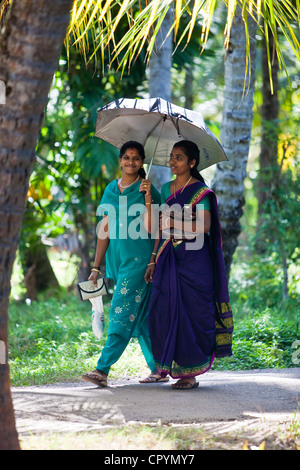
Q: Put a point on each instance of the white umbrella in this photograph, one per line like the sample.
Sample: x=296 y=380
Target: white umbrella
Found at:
x=157 y=124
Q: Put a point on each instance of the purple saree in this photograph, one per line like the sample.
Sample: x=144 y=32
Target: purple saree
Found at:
x=190 y=317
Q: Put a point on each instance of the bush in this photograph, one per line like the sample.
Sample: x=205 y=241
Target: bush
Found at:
x=265 y=325
x=52 y=341
x=262 y=340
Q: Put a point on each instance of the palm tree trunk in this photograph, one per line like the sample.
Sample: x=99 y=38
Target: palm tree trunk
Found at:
x=268 y=165
x=269 y=115
x=228 y=182
x=30 y=44
x=188 y=87
x=160 y=64
x=38 y=273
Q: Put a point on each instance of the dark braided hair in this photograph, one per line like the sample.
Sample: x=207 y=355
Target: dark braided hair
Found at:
x=193 y=153
x=132 y=144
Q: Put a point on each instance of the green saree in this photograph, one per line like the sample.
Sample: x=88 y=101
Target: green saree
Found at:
x=127 y=256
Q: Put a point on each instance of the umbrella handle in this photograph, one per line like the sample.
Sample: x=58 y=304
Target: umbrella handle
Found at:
x=144 y=192
x=150 y=166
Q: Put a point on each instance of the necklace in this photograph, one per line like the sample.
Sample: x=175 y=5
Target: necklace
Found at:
x=182 y=188
x=127 y=186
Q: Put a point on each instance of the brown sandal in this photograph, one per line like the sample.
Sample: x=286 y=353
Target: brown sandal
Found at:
x=96 y=377
x=153 y=378
x=185 y=384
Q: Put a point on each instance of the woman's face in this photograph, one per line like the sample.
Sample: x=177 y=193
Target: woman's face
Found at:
x=179 y=162
x=131 y=162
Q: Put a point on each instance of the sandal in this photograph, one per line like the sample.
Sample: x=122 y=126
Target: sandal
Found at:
x=153 y=378
x=185 y=384
x=96 y=377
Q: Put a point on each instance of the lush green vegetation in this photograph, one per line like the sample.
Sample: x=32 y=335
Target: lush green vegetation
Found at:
x=51 y=339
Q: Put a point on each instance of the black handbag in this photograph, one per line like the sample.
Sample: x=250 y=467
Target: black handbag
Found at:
x=88 y=290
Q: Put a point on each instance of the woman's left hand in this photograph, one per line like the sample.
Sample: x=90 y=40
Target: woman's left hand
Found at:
x=146 y=186
x=166 y=221
x=93 y=277
x=149 y=273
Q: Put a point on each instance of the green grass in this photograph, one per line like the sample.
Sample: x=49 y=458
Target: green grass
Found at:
x=52 y=341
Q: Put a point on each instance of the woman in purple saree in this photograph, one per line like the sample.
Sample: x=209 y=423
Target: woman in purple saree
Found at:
x=190 y=317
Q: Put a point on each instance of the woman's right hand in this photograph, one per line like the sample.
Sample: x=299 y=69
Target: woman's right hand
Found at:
x=149 y=273
x=145 y=187
x=93 y=277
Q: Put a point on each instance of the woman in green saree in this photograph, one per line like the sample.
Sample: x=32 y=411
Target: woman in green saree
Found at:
x=127 y=245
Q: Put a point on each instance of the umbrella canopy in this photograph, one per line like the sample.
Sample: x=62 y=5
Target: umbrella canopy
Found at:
x=157 y=124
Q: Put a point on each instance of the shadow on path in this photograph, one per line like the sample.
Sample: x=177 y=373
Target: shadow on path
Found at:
x=272 y=394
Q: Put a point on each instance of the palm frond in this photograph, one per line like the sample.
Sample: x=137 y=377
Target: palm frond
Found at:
x=231 y=7
x=207 y=19
x=3 y=8
x=134 y=40
x=139 y=21
x=196 y=9
x=178 y=7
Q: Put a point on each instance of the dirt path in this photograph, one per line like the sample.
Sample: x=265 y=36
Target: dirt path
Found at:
x=255 y=401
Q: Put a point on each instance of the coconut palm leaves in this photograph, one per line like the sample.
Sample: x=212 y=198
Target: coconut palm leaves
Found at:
x=104 y=21
x=3 y=9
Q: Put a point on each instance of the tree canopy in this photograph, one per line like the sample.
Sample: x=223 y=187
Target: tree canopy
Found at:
x=103 y=21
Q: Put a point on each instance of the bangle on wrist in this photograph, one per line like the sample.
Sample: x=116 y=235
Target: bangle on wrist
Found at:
x=96 y=270
x=150 y=264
